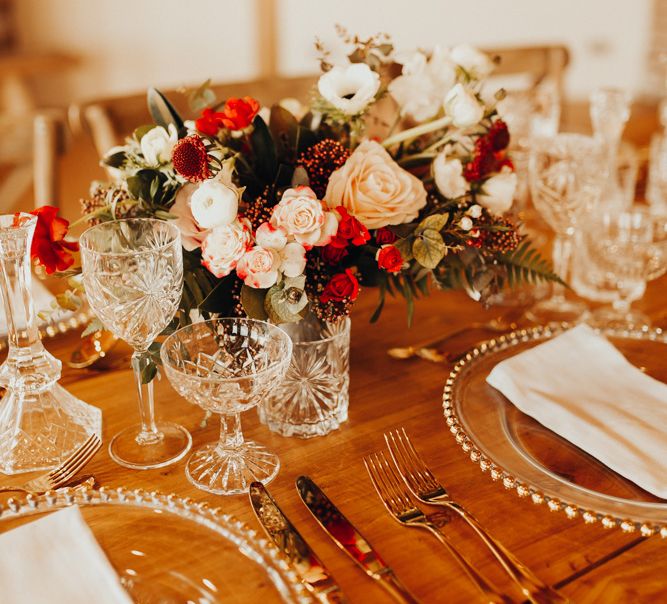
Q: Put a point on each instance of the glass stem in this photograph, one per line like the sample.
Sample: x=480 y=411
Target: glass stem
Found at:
x=231 y=436
x=562 y=252
x=149 y=433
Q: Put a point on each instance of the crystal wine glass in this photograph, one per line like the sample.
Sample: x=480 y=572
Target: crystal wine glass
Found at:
x=626 y=249
x=567 y=173
x=133 y=277
x=227 y=366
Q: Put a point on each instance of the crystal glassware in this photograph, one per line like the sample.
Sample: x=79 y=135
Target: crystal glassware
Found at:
x=610 y=111
x=133 y=277
x=41 y=423
x=567 y=173
x=313 y=398
x=626 y=249
x=227 y=366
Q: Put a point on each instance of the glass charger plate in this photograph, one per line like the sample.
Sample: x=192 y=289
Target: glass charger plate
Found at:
x=171 y=550
x=534 y=461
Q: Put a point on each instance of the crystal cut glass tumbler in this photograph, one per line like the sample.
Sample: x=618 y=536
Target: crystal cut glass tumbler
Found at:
x=313 y=398
x=41 y=423
x=227 y=366
x=133 y=276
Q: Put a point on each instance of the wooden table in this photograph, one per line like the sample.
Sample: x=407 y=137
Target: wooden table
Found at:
x=588 y=563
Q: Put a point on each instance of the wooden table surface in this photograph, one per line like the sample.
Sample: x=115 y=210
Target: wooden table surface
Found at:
x=587 y=562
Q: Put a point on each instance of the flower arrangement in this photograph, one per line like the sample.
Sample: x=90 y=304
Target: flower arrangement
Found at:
x=396 y=176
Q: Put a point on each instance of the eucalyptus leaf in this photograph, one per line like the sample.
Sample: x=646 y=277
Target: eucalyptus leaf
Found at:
x=405 y=247
x=162 y=111
x=435 y=221
x=429 y=248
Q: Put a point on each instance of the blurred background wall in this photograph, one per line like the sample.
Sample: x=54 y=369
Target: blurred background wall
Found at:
x=125 y=45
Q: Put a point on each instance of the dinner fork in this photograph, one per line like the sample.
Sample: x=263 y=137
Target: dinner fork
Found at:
x=425 y=487
x=61 y=475
x=397 y=500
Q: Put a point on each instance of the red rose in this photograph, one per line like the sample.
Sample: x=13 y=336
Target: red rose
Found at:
x=383 y=236
x=499 y=136
x=209 y=122
x=389 y=258
x=190 y=159
x=341 y=286
x=351 y=229
x=49 y=246
x=333 y=254
x=238 y=114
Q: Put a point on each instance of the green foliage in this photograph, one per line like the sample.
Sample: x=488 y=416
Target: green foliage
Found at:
x=526 y=265
x=115 y=160
x=253 y=302
x=429 y=248
x=201 y=97
x=162 y=111
x=264 y=150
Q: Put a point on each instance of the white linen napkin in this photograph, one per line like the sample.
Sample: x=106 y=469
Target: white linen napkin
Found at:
x=581 y=387
x=56 y=560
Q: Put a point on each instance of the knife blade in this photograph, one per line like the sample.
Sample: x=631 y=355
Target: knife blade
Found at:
x=350 y=540
x=314 y=575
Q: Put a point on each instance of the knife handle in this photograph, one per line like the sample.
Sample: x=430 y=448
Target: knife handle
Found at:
x=395 y=588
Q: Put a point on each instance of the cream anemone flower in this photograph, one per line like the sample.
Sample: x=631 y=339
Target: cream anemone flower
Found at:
x=351 y=88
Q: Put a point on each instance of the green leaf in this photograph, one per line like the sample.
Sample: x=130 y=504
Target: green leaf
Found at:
x=201 y=97
x=525 y=265
x=162 y=111
x=300 y=177
x=219 y=300
x=284 y=130
x=266 y=160
x=405 y=247
x=92 y=327
x=436 y=222
x=403 y=230
x=253 y=302
x=141 y=131
x=378 y=309
x=429 y=248
x=115 y=160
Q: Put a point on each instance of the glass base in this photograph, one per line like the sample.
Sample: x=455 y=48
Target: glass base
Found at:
x=230 y=471
x=126 y=448
x=557 y=309
x=39 y=430
x=612 y=318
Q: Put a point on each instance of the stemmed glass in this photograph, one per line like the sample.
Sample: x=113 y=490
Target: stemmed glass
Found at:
x=227 y=366
x=567 y=173
x=626 y=249
x=133 y=277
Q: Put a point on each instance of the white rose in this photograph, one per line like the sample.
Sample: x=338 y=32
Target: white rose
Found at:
x=475 y=62
x=157 y=144
x=498 y=192
x=224 y=246
x=349 y=88
x=462 y=106
x=214 y=204
x=293 y=259
x=304 y=218
x=448 y=174
x=374 y=189
x=258 y=267
x=271 y=237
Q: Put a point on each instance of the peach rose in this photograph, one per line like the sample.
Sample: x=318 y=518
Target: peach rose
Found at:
x=375 y=189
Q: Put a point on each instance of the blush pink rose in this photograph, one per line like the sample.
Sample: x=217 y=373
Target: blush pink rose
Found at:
x=225 y=245
x=192 y=235
x=258 y=267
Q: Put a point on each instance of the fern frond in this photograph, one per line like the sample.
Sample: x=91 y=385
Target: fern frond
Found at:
x=526 y=265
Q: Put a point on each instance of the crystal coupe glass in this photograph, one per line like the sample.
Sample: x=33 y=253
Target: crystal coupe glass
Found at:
x=228 y=366
x=133 y=277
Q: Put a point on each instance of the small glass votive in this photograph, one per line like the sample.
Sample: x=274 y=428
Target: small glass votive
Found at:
x=313 y=398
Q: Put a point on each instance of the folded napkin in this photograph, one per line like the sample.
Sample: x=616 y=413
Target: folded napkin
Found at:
x=581 y=387
x=56 y=560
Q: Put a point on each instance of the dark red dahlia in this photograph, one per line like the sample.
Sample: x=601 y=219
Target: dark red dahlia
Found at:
x=191 y=159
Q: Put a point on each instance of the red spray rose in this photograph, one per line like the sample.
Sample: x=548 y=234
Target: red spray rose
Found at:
x=238 y=114
x=332 y=254
x=190 y=159
x=383 y=236
x=498 y=135
x=209 y=122
x=341 y=286
x=350 y=230
x=49 y=246
x=389 y=258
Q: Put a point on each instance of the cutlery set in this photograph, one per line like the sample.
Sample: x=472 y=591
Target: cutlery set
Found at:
x=398 y=479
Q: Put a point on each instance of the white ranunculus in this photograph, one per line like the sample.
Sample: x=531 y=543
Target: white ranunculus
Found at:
x=258 y=267
x=214 y=204
x=293 y=259
x=463 y=107
x=157 y=144
x=474 y=61
x=498 y=192
x=350 y=88
x=448 y=175
x=224 y=246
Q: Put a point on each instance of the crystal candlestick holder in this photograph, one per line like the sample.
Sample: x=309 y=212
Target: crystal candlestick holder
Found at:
x=41 y=423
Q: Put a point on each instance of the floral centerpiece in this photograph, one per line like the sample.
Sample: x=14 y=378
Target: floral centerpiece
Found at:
x=396 y=176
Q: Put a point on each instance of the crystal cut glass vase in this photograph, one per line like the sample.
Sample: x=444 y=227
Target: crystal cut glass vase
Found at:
x=313 y=398
x=41 y=423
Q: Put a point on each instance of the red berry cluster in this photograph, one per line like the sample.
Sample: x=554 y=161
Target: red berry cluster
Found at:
x=489 y=154
x=320 y=161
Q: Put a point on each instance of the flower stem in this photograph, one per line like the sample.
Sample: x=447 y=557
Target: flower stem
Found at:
x=417 y=131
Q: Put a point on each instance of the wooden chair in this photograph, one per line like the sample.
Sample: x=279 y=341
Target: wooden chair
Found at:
x=49 y=132
x=108 y=121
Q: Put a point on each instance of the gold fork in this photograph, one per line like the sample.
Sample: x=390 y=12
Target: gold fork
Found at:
x=397 y=500
x=61 y=475
x=425 y=487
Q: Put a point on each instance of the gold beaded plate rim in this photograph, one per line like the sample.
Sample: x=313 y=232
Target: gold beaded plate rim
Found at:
x=511 y=482
x=271 y=559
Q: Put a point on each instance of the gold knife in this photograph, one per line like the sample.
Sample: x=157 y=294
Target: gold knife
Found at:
x=350 y=540
x=314 y=575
